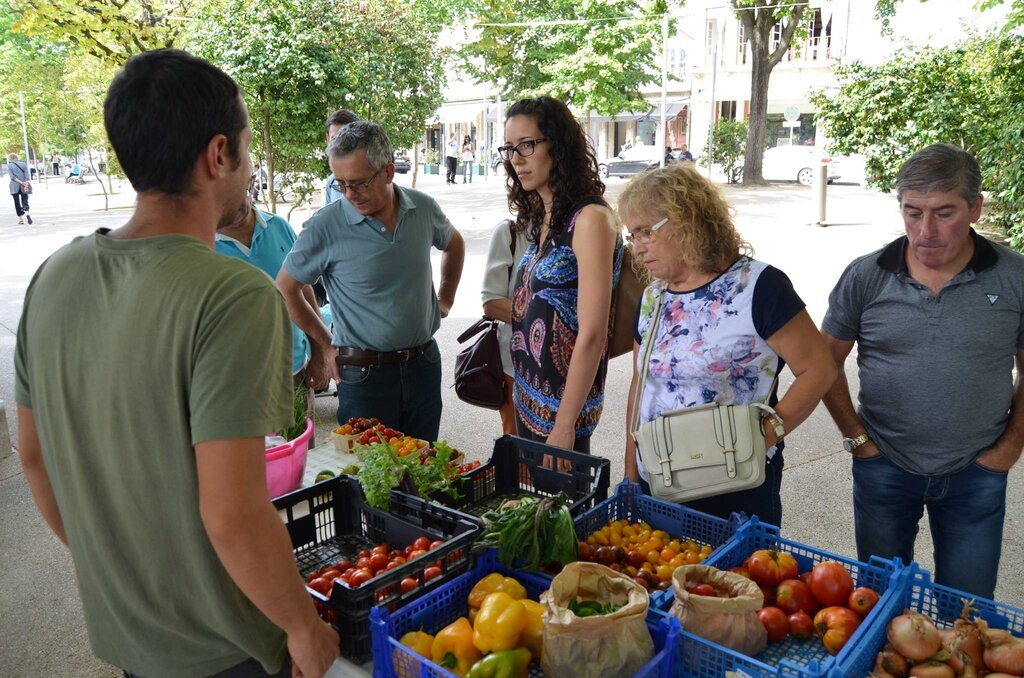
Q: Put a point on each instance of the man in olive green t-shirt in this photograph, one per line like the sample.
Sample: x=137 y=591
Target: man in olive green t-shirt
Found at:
x=148 y=369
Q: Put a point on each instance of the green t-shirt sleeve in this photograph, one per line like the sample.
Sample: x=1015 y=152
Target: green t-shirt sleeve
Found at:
x=241 y=377
x=22 y=390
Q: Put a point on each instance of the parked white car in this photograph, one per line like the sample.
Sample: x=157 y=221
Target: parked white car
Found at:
x=631 y=161
x=797 y=163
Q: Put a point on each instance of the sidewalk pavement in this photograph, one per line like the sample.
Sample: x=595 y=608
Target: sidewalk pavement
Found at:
x=40 y=616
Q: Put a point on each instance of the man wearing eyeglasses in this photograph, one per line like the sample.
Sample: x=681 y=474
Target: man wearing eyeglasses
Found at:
x=373 y=250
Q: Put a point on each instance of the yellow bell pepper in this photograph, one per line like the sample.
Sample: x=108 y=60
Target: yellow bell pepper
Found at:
x=499 y=623
x=419 y=642
x=453 y=647
x=532 y=637
x=493 y=583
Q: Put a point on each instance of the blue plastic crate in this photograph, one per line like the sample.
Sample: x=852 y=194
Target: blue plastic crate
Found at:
x=942 y=604
x=434 y=611
x=629 y=503
x=701 y=658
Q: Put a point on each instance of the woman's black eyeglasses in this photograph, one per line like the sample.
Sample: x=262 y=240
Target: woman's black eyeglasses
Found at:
x=523 y=148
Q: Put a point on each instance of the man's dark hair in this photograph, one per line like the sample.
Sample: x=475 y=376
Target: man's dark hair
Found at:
x=342 y=116
x=574 y=174
x=940 y=168
x=162 y=109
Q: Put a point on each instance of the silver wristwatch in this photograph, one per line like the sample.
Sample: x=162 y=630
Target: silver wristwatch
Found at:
x=851 y=444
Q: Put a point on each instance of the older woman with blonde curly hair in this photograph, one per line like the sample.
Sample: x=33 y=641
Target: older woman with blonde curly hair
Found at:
x=727 y=325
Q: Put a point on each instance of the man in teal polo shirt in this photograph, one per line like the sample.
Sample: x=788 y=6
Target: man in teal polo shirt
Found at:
x=373 y=250
x=264 y=240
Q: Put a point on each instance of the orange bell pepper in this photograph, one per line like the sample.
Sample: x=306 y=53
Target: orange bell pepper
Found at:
x=453 y=647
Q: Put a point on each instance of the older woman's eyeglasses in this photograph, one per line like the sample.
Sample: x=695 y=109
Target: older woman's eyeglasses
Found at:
x=645 y=235
x=523 y=148
x=355 y=186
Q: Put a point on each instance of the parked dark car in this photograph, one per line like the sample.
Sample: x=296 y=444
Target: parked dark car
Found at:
x=402 y=164
x=631 y=161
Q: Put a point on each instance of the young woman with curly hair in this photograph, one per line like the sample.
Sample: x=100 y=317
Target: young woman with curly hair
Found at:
x=727 y=326
x=562 y=299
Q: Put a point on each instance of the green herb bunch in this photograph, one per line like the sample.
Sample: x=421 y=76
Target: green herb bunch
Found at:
x=382 y=469
x=530 y=532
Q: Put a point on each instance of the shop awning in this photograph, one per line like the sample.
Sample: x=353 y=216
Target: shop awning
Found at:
x=459 y=111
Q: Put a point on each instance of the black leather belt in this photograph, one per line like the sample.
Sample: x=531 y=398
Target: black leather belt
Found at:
x=357 y=356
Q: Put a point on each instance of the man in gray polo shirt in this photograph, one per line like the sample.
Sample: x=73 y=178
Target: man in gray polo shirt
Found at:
x=938 y=319
x=373 y=250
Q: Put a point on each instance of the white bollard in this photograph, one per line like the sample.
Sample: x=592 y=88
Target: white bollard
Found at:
x=5 y=434
x=818 y=186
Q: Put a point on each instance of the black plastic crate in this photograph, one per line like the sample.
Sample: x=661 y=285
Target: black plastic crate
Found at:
x=516 y=468
x=330 y=521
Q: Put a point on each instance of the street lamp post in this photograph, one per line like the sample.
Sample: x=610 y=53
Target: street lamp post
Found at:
x=24 y=131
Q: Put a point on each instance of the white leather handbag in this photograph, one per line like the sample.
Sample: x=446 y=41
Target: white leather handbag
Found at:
x=700 y=451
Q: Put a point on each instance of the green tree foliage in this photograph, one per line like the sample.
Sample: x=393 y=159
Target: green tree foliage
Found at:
x=968 y=95
x=729 y=137
x=759 y=18
x=587 y=54
x=110 y=30
x=298 y=60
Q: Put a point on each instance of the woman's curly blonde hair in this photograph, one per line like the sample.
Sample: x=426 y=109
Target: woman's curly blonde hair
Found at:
x=699 y=218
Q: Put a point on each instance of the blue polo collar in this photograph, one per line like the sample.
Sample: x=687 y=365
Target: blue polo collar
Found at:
x=893 y=257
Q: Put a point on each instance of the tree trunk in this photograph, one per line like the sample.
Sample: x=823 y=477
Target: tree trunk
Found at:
x=268 y=153
x=753 y=155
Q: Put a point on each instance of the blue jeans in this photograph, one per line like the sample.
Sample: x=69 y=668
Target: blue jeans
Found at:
x=467 y=171
x=763 y=501
x=405 y=396
x=965 y=511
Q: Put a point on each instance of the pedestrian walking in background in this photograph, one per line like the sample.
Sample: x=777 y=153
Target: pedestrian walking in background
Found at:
x=20 y=185
x=451 y=158
x=148 y=370
x=938 y=319
x=503 y=259
x=55 y=163
x=468 y=156
x=335 y=123
x=562 y=301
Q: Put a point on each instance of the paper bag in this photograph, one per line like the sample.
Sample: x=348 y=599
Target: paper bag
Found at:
x=730 y=622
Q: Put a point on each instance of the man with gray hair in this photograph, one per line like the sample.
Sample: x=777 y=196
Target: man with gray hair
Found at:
x=372 y=248
x=938 y=319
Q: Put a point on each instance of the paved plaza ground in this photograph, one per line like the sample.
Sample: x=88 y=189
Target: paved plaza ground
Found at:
x=40 y=614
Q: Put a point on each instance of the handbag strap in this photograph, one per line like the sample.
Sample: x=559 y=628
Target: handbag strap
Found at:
x=649 y=345
x=512 y=248
x=476 y=328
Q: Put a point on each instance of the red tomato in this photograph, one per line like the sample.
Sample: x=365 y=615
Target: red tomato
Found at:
x=741 y=571
x=360 y=577
x=834 y=625
x=416 y=553
x=365 y=553
x=343 y=565
x=769 y=595
x=792 y=595
x=383 y=548
x=363 y=563
x=805 y=577
x=863 y=600
x=321 y=585
x=311 y=576
x=421 y=544
x=390 y=566
x=408 y=584
x=801 y=626
x=435 y=544
x=831 y=584
x=378 y=561
x=398 y=560
x=431 y=573
x=703 y=590
x=768 y=567
x=775 y=623
x=642 y=581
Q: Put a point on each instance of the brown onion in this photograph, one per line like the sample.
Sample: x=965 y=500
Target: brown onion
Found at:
x=967 y=646
x=914 y=636
x=890 y=662
x=931 y=669
x=1004 y=652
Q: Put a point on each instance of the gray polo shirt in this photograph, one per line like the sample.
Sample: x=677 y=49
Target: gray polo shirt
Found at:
x=936 y=372
x=380 y=284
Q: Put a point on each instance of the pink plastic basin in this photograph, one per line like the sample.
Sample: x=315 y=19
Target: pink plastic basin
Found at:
x=287 y=463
